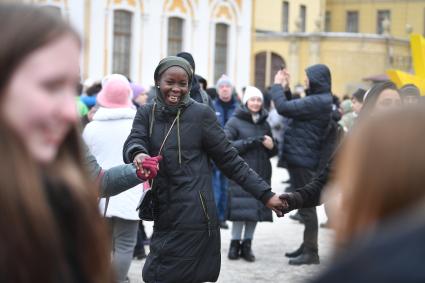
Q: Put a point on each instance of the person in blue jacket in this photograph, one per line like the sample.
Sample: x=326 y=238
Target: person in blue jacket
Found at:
x=225 y=105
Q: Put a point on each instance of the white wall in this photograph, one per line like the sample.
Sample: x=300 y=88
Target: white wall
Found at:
x=149 y=36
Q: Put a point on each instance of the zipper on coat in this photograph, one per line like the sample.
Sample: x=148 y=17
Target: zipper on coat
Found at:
x=205 y=209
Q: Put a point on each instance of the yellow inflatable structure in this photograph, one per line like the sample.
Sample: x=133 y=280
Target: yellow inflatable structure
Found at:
x=400 y=78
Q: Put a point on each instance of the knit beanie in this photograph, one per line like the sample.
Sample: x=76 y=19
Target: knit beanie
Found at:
x=116 y=93
x=188 y=57
x=137 y=90
x=410 y=90
x=223 y=80
x=250 y=92
x=172 y=61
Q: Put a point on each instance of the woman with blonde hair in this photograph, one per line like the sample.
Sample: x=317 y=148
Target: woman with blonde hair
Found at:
x=51 y=228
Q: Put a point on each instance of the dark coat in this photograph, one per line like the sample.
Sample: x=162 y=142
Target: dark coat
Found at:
x=219 y=110
x=392 y=253
x=310 y=118
x=240 y=129
x=185 y=245
x=198 y=94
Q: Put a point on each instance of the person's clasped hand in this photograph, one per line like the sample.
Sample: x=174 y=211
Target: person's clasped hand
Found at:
x=147 y=167
x=277 y=205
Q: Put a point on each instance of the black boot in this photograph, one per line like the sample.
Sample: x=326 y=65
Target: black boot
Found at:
x=224 y=225
x=246 y=252
x=309 y=256
x=296 y=253
x=140 y=253
x=234 y=250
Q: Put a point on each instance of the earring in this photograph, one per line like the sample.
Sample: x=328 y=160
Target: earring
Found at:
x=157 y=86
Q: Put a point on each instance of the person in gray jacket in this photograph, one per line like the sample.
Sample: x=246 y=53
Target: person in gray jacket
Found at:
x=113 y=181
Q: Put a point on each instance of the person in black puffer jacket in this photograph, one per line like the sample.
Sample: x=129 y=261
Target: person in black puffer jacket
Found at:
x=185 y=245
x=251 y=136
x=310 y=116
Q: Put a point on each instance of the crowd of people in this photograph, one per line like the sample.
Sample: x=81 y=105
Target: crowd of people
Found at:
x=84 y=163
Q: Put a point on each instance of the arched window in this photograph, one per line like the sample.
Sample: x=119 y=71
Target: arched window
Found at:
x=175 y=36
x=260 y=70
x=122 y=43
x=266 y=67
x=220 y=56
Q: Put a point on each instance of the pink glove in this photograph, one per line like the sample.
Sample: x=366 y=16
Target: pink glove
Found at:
x=149 y=168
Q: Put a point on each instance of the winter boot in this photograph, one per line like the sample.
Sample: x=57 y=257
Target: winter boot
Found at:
x=295 y=253
x=246 y=252
x=308 y=256
x=224 y=225
x=234 y=250
x=139 y=253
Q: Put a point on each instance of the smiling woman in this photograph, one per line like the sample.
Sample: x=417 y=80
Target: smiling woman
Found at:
x=45 y=194
x=174 y=84
x=185 y=245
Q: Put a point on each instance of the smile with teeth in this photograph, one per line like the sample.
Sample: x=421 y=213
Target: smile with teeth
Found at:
x=173 y=98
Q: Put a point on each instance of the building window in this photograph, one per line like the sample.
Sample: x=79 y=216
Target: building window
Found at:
x=327 y=21
x=381 y=17
x=175 y=36
x=352 y=24
x=220 y=58
x=303 y=15
x=122 y=43
x=285 y=16
x=260 y=70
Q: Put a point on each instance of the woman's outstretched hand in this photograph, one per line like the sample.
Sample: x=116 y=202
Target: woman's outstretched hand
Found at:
x=277 y=205
x=147 y=167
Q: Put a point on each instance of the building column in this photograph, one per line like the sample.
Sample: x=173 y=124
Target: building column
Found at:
x=294 y=61
x=314 y=48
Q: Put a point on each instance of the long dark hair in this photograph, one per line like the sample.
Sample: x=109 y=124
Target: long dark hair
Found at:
x=33 y=247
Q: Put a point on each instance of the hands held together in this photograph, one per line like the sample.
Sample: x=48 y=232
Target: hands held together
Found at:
x=285 y=203
x=147 y=167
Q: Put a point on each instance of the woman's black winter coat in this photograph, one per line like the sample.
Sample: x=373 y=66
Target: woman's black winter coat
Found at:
x=246 y=136
x=185 y=245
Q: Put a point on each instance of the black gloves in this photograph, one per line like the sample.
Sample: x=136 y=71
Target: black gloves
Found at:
x=294 y=201
x=253 y=142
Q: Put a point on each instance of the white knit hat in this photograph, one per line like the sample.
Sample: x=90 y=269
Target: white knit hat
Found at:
x=251 y=91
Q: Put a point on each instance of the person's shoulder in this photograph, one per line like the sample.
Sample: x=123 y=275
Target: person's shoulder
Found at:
x=232 y=120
